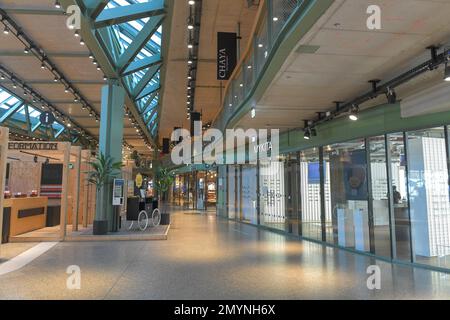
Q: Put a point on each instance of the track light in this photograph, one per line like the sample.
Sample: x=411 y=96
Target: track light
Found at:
x=2 y=77
x=354 y=113
x=43 y=65
x=76 y=34
x=6 y=30
x=190 y=23
x=447 y=72
x=307 y=135
x=57 y=4
x=392 y=96
x=82 y=42
x=26 y=50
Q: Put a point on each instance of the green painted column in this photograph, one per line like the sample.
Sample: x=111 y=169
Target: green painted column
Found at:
x=111 y=141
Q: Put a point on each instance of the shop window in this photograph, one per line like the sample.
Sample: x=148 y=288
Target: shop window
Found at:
x=380 y=196
x=347 y=223
x=292 y=187
x=310 y=190
x=272 y=195
x=429 y=196
x=249 y=196
x=399 y=199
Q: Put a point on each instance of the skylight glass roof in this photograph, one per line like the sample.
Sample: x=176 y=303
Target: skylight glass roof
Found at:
x=18 y=118
x=125 y=35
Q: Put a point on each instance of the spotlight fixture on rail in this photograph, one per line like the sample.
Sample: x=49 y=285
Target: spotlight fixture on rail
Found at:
x=391 y=96
x=446 y=66
x=354 y=113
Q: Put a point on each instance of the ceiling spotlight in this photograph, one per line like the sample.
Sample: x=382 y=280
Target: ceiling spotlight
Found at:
x=307 y=135
x=392 y=96
x=6 y=30
x=354 y=113
x=76 y=34
x=66 y=90
x=56 y=79
x=14 y=85
x=94 y=62
x=191 y=2
x=57 y=4
x=43 y=65
x=447 y=72
x=2 y=77
x=26 y=50
x=190 y=24
x=190 y=46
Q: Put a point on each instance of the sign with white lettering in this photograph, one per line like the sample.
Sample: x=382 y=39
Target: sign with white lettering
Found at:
x=47 y=118
x=226 y=54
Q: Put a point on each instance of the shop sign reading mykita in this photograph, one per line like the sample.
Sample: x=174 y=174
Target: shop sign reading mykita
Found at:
x=45 y=146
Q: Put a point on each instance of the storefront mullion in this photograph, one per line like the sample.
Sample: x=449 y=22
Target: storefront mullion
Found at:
x=370 y=197
x=322 y=195
x=408 y=197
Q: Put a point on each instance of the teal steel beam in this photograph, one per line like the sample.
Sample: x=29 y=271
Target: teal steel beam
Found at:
x=28 y=120
x=96 y=7
x=148 y=104
x=145 y=80
x=142 y=64
x=60 y=132
x=147 y=91
x=151 y=116
x=20 y=53
x=139 y=42
x=132 y=12
x=38 y=12
x=8 y=114
x=111 y=139
x=36 y=126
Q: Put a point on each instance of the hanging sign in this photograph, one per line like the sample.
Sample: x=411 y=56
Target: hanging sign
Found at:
x=47 y=118
x=226 y=54
x=139 y=180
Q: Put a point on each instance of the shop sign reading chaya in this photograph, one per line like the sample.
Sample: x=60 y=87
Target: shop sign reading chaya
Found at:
x=45 y=146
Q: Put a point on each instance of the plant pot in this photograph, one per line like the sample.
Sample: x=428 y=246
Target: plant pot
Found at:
x=100 y=228
x=165 y=219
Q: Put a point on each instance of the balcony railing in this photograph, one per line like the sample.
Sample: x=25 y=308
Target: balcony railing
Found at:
x=273 y=18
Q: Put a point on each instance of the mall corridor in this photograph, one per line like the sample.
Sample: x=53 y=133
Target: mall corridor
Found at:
x=206 y=258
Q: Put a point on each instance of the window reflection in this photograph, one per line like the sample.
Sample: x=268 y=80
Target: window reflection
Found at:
x=429 y=196
x=399 y=199
x=349 y=221
x=310 y=193
x=380 y=196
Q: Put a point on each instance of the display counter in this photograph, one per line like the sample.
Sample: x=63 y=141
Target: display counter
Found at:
x=24 y=215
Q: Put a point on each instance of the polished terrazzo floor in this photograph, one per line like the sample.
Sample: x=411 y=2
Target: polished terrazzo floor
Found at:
x=206 y=258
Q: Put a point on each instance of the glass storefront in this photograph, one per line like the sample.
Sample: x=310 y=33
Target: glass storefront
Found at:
x=311 y=194
x=385 y=195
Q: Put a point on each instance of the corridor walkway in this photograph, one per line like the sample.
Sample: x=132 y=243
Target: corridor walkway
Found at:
x=206 y=258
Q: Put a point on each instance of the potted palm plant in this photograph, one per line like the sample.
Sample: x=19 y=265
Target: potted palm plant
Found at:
x=104 y=170
x=163 y=181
